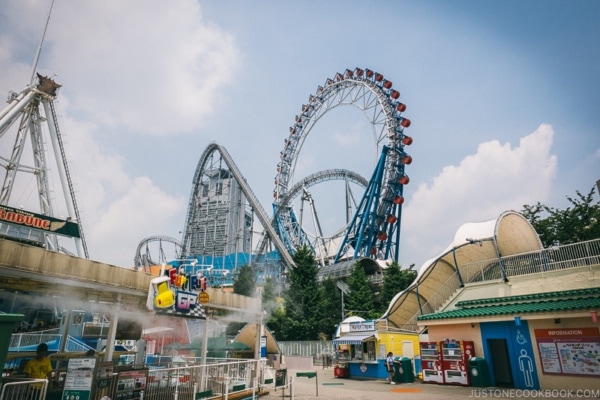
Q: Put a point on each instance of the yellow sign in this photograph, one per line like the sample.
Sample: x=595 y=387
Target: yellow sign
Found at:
x=203 y=297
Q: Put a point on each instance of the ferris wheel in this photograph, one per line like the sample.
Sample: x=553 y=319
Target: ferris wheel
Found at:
x=374 y=229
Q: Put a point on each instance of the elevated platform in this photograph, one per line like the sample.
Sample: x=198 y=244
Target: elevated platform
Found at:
x=32 y=269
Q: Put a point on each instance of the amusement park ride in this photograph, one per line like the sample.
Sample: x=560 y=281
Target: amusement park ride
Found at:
x=217 y=226
x=223 y=213
x=374 y=230
x=226 y=226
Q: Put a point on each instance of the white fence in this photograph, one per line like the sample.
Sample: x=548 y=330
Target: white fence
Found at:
x=24 y=389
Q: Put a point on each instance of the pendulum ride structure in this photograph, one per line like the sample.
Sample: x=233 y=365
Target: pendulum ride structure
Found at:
x=31 y=112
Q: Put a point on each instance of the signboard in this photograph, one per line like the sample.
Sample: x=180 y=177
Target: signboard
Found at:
x=263 y=346
x=104 y=373
x=39 y=222
x=79 y=378
x=177 y=294
x=362 y=326
x=131 y=384
x=203 y=297
x=571 y=351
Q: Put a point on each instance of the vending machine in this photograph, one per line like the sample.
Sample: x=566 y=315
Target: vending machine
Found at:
x=431 y=362
x=455 y=361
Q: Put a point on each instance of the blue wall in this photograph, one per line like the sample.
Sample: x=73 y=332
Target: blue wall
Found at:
x=520 y=352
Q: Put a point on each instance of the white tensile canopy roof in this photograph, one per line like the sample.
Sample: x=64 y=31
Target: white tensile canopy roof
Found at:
x=507 y=235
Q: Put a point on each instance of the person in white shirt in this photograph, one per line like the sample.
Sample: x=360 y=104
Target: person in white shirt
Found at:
x=389 y=365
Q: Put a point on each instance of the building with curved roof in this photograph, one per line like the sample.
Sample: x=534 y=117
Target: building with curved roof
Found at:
x=473 y=255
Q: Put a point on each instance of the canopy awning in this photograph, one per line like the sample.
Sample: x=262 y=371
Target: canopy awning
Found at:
x=354 y=339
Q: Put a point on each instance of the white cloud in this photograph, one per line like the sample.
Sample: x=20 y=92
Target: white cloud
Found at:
x=149 y=67
x=117 y=210
x=146 y=67
x=129 y=219
x=495 y=179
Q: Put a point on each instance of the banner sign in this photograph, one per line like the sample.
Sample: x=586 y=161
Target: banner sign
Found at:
x=362 y=326
x=39 y=222
x=176 y=295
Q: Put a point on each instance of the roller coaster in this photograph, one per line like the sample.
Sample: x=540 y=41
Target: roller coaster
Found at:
x=223 y=211
x=226 y=226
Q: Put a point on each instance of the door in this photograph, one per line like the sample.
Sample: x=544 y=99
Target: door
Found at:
x=408 y=349
x=500 y=361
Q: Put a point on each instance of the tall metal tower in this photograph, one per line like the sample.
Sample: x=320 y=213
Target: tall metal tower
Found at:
x=32 y=113
x=35 y=113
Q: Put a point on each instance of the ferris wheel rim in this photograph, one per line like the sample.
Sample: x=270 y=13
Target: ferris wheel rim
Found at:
x=386 y=98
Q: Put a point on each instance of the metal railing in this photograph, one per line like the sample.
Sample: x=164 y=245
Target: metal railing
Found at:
x=235 y=378
x=24 y=389
x=218 y=380
x=583 y=254
x=23 y=342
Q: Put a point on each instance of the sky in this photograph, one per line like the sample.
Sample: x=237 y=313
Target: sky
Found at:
x=503 y=97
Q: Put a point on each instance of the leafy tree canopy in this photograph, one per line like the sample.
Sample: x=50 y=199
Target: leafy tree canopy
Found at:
x=395 y=280
x=330 y=309
x=245 y=284
x=578 y=223
x=360 y=299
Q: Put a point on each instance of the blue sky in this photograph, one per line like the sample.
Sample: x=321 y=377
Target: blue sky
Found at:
x=503 y=96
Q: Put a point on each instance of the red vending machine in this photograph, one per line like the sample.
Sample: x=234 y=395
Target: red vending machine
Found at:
x=431 y=362
x=455 y=361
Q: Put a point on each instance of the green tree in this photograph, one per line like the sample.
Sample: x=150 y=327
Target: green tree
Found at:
x=330 y=309
x=395 y=280
x=245 y=283
x=360 y=300
x=301 y=299
x=277 y=323
x=269 y=295
x=574 y=224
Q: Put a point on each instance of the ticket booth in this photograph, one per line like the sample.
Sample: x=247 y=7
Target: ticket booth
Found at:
x=365 y=348
x=359 y=349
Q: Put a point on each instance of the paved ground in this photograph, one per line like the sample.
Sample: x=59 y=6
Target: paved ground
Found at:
x=326 y=386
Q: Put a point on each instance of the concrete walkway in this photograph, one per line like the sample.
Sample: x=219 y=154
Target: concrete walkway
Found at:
x=326 y=386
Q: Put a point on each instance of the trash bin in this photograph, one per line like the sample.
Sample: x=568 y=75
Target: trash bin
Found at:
x=479 y=372
x=280 y=376
x=407 y=370
x=403 y=370
x=397 y=376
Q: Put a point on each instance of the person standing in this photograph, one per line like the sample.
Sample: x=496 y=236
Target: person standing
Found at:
x=39 y=367
x=389 y=365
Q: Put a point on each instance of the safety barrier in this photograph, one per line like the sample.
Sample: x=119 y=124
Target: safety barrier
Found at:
x=224 y=380
x=24 y=389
